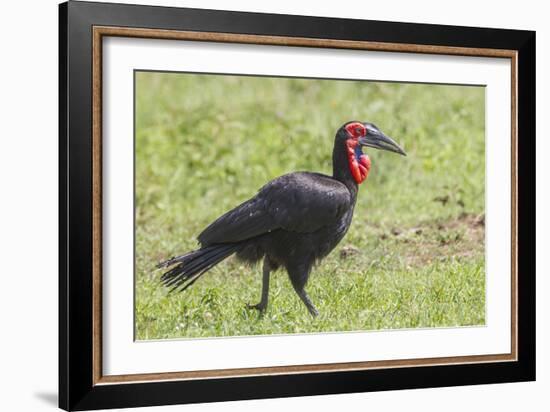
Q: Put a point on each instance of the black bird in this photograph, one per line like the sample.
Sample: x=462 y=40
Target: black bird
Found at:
x=293 y=221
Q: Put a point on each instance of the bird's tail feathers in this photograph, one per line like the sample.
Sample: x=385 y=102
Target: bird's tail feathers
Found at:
x=191 y=266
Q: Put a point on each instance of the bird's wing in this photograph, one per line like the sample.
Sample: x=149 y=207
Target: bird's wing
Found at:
x=298 y=202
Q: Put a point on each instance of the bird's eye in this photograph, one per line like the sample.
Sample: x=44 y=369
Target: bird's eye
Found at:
x=358 y=131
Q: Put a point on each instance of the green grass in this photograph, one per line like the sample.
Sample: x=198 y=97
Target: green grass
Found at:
x=414 y=255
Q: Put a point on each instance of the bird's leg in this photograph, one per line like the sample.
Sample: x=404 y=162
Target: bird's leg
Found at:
x=307 y=301
x=262 y=305
x=299 y=280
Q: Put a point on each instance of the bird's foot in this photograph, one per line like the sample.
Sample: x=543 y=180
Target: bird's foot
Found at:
x=313 y=311
x=258 y=306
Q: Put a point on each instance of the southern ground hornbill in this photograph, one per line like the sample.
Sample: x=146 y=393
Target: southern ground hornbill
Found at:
x=294 y=221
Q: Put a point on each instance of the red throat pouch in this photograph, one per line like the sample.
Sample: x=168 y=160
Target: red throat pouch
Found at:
x=359 y=164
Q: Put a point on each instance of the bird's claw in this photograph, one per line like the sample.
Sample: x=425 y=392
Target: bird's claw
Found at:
x=259 y=307
x=314 y=312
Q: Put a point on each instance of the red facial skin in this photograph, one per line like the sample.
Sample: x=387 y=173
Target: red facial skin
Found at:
x=359 y=167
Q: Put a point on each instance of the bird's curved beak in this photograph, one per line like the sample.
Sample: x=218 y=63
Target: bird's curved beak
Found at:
x=379 y=140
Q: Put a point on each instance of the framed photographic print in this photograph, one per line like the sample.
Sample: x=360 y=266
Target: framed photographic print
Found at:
x=257 y=205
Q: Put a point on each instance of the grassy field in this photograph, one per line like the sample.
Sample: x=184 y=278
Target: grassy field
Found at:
x=414 y=255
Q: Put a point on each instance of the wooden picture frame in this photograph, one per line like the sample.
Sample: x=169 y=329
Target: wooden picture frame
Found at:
x=83 y=26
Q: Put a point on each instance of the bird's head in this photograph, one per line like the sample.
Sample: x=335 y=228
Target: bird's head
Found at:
x=356 y=135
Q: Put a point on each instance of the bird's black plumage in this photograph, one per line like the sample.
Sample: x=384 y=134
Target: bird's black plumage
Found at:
x=292 y=222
